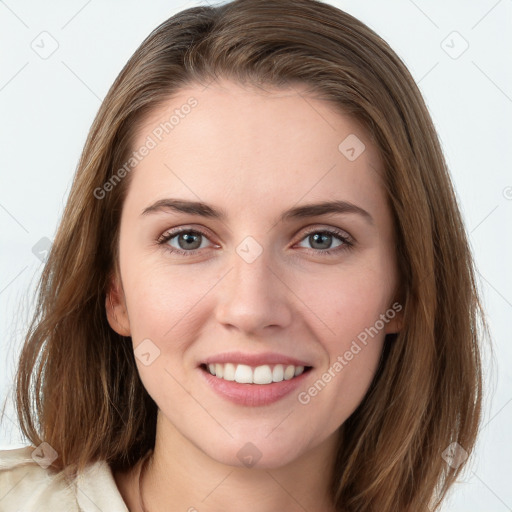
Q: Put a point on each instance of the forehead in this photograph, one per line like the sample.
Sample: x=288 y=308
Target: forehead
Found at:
x=252 y=147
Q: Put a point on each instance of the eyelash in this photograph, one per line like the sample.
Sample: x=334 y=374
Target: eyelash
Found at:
x=347 y=244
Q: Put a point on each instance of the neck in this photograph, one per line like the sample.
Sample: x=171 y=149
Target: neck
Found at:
x=192 y=481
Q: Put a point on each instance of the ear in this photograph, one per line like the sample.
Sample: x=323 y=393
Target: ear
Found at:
x=395 y=315
x=115 y=305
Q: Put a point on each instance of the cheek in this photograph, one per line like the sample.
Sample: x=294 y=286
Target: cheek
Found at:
x=168 y=305
x=164 y=309
x=349 y=304
x=352 y=336
x=347 y=301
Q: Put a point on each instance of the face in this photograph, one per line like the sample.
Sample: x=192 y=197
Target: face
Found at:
x=224 y=262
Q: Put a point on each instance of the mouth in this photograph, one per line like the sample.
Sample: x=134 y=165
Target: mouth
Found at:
x=254 y=379
x=260 y=375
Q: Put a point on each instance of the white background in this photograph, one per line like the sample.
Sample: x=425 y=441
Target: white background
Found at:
x=47 y=106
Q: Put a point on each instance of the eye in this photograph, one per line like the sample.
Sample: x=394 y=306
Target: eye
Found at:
x=187 y=242
x=183 y=241
x=322 y=241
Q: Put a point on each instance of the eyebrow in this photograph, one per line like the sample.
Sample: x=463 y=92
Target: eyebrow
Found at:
x=297 y=212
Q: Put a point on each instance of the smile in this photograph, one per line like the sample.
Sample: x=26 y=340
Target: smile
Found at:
x=245 y=374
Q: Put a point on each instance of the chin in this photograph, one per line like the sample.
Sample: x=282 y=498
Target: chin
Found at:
x=256 y=454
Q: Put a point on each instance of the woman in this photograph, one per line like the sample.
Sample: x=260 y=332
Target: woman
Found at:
x=261 y=292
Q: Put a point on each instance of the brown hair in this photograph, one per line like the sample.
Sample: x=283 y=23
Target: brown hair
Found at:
x=77 y=384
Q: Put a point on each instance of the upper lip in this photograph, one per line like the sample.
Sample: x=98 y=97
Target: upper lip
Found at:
x=254 y=359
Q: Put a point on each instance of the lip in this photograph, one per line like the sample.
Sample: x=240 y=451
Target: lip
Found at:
x=254 y=359
x=252 y=395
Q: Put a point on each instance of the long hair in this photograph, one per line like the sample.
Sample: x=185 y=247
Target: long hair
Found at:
x=77 y=385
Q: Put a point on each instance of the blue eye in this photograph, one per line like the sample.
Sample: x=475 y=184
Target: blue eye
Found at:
x=327 y=237
x=190 y=241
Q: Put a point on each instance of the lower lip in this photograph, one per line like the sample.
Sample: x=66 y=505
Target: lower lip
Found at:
x=253 y=395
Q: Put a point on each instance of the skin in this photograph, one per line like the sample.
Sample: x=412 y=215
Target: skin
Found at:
x=253 y=154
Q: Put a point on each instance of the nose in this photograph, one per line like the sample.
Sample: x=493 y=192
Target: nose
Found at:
x=254 y=296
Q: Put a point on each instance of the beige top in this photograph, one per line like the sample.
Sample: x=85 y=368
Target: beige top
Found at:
x=26 y=486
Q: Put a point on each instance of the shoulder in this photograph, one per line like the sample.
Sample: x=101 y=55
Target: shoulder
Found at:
x=29 y=485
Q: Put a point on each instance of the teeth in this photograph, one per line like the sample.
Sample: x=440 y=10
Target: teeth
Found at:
x=278 y=373
x=289 y=372
x=264 y=374
x=228 y=372
x=243 y=374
